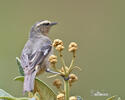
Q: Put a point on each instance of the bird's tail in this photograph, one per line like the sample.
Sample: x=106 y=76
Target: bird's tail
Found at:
x=29 y=82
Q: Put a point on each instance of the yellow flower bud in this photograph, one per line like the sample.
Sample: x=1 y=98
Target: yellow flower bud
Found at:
x=57 y=83
x=72 y=78
x=59 y=47
x=57 y=42
x=73 y=47
x=53 y=59
x=72 y=98
x=60 y=96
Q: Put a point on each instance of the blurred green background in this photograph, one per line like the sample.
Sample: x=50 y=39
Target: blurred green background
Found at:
x=96 y=25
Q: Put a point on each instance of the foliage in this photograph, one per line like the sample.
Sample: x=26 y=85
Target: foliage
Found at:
x=6 y=96
x=19 y=66
x=45 y=92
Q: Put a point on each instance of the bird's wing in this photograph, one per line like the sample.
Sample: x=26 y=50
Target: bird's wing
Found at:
x=36 y=58
x=39 y=56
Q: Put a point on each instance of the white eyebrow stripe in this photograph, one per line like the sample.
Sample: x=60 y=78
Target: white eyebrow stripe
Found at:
x=45 y=21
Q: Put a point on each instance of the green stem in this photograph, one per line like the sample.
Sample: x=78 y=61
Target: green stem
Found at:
x=63 y=62
x=70 y=67
x=66 y=88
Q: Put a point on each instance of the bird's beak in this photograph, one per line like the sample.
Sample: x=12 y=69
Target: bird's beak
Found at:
x=53 y=23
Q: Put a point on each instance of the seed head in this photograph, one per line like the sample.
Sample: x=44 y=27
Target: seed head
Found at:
x=57 y=42
x=72 y=78
x=59 y=47
x=72 y=98
x=73 y=47
x=57 y=83
x=60 y=96
x=53 y=59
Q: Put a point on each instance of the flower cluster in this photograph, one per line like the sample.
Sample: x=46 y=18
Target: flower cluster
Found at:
x=53 y=59
x=72 y=78
x=72 y=98
x=58 y=44
x=64 y=71
x=73 y=47
x=59 y=47
x=57 y=83
x=60 y=96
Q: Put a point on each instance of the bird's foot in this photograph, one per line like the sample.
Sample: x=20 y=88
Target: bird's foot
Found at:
x=50 y=71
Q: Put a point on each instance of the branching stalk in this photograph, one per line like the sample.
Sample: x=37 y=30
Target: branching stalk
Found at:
x=63 y=62
x=71 y=65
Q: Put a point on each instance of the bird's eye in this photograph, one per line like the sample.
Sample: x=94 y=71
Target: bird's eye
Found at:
x=46 y=24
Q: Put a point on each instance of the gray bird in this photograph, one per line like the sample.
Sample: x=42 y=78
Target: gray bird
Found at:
x=34 y=57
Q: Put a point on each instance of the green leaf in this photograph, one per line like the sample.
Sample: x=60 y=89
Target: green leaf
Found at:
x=4 y=93
x=45 y=92
x=6 y=96
x=14 y=98
x=111 y=98
x=20 y=67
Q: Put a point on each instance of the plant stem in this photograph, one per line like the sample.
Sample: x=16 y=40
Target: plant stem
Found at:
x=70 y=67
x=66 y=88
x=63 y=62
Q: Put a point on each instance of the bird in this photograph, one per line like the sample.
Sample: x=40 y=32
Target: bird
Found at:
x=35 y=54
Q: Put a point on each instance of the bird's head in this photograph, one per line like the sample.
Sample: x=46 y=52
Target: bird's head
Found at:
x=44 y=26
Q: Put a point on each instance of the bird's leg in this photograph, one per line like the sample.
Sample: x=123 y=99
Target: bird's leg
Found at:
x=50 y=71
